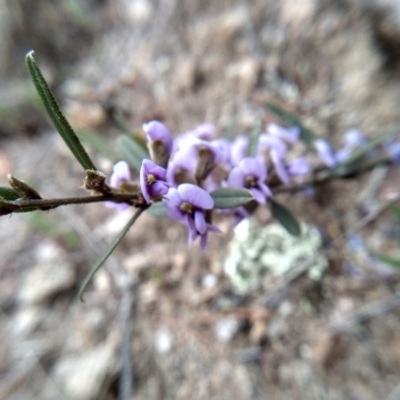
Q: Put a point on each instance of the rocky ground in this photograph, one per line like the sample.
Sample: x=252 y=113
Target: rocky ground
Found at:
x=169 y=314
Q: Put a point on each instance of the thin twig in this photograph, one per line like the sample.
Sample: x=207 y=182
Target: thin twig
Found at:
x=47 y=204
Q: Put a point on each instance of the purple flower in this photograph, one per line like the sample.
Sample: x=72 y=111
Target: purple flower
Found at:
x=206 y=154
x=204 y=131
x=299 y=166
x=187 y=204
x=159 y=142
x=182 y=166
x=325 y=153
x=120 y=175
x=223 y=147
x=238 y=149
x=251 y=174
x=393 y=151
x=289 y=135
x=152 y=180
x=272 y=148
x=352 y=139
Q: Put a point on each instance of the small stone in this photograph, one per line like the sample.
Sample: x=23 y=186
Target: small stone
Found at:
x=27 y=320
x=83 y=377
x=209 y=281
x=226 y=329
x=164 y=340
x=51 y=275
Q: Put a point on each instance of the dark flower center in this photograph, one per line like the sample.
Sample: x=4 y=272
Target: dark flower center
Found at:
x=186 y=207
x=250 y=181
x=150 y=179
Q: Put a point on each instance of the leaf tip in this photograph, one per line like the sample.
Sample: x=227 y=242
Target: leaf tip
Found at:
x=30 y=54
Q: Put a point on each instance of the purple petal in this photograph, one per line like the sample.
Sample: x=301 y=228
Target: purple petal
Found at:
x=191 y=227
x=236 y=178
x=264 y=189
x=238 y=149
x=159 y=188
x=393 y=151
x=342 y=155
x=299 y=166
x=254 y=167
x=154 y=169
x=172 y=203
x=271 y=142
x=258 y=195
x=195 y=196
x=204 y=131
x=203 y=241
x=182 y=160
x=290 y=135
x=120 y=173
x=223 y=148
x=325 y=153
x=280 y=167
x=156 y=130
x=353 y=138
x=200 y=222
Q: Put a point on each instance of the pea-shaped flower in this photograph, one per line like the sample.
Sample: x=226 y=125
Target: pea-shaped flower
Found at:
x=187 y=204
x=152 y=180
x=326 y=153
x=159 y=142
x=251 y=174
x=120 y=177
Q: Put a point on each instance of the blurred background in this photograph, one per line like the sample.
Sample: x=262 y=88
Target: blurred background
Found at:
x=162 y=321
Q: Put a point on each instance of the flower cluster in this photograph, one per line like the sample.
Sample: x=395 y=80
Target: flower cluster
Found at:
x=184 y=171
x=352 y=140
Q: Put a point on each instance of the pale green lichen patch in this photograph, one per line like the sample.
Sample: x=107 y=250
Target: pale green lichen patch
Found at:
x=255 y=251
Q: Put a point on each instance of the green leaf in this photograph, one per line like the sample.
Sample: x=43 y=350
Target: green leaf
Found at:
x=231 y=197
x=289 y=119
x=107 y=254
x=98 y=143
x=53 y=110
x=393 y=262
x=230 y=131
x=131 y=151
x=157 y=210
x=9 y=194
x=285 y=218
x=253 y=140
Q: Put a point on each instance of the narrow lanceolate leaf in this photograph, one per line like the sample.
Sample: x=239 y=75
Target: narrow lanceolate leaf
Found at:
x=230 y=130
x=289 y=119
x=231 y=197
x=131 y=151
x=285 y=218
x=9 y=194
x=157 y=210
x=393 y=262
x=53 y=110
x=253 y=140
x=109 y=251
